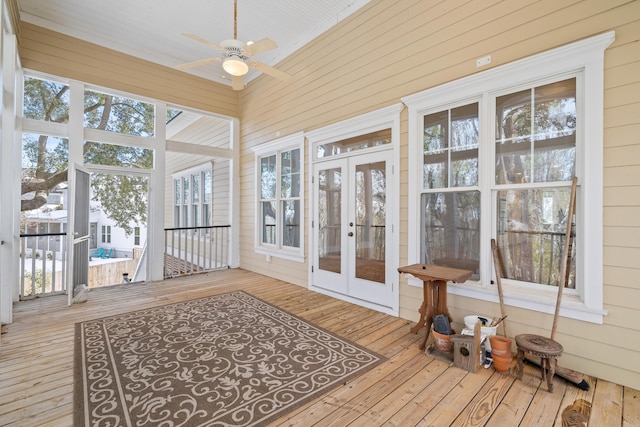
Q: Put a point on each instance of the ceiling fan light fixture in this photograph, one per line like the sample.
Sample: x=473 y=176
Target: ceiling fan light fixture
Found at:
x=235 y=66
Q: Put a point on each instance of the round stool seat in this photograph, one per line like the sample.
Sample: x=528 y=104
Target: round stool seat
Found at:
x=539 y=346
x=546 y=349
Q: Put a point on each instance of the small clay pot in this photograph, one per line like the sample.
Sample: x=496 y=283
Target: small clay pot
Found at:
x=443 y=342
x=500 y=345
x=501 y=363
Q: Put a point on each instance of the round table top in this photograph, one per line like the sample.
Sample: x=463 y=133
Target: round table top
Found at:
x=539 y=345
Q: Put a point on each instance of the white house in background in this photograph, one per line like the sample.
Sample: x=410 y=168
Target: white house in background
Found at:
x=103 y=231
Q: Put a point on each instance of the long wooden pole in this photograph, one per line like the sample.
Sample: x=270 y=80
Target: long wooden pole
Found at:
x=565 y=256
x=496 y=263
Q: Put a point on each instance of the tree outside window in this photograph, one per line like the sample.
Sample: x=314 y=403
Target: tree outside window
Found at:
x=45 y=157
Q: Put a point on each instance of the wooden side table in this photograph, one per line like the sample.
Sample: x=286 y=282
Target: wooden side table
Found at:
x=434 y=286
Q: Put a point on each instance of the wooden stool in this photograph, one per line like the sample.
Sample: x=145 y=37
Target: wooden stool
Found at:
x=546 y=349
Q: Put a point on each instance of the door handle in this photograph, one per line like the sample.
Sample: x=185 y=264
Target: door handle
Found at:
x=350 y=234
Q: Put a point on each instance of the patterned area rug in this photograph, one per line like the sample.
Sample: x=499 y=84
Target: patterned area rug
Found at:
x=226 y=360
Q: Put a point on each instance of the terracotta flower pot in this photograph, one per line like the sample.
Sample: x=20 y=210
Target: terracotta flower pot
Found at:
x=501 y=346
x=443 y=342
x=501 y=363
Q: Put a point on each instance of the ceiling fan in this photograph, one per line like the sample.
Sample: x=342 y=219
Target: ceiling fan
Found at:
x=237 y=55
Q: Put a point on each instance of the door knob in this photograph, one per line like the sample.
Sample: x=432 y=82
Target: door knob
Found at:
x=350 y=234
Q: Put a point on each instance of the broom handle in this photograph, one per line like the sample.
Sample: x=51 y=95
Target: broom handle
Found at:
x=565 y=256
x=496 y=263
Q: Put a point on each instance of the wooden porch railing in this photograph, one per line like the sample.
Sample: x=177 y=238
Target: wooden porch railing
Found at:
x=190 y=250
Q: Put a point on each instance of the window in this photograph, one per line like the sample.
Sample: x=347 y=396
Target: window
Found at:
x=207 y=197
x=124 y=115
x=535 y=152
x=177 y=203
x=450 y=200
x=495 y=154
x=106 y=234
x=99 y=153
x=193 y=197
x=39 y=92
x=280 y=211
x=136 y=236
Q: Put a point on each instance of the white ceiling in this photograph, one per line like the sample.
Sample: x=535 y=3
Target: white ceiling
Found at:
x=151 y=29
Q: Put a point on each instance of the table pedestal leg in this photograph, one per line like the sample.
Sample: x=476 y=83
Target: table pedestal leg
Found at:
x=434 y=301
x=427 y=302
x=423 y=314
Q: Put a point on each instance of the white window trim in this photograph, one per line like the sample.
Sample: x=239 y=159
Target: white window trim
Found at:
x=289 y=142
x=585 y=56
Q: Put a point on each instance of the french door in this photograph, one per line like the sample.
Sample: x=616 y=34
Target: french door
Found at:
x=352 y=228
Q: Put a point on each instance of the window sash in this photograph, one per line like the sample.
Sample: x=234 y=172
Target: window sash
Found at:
x=536 y=133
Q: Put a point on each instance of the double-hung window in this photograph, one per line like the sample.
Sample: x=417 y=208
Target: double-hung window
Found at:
x=280 y=197
x=106 y=234
x=192 y=197
x=450 y=198
x=535 y=160
x=492 y=156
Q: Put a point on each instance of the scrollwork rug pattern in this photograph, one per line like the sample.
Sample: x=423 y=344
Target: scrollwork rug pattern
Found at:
x=225 y=360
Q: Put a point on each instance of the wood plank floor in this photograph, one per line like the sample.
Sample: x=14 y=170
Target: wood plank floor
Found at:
x=410 y=388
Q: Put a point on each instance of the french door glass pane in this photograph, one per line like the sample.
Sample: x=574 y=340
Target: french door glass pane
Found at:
x=370 y=221
x=329 y=219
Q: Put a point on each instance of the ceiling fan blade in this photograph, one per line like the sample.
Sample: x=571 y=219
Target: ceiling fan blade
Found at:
x=237 y=83
x=260 y=46
x=201 y=40
x=267 y=69
x=198 y=63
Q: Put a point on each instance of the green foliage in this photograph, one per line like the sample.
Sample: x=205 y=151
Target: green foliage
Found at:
x=45 y=158
x=46 y=100
x=125 y=211
x=118 y=114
